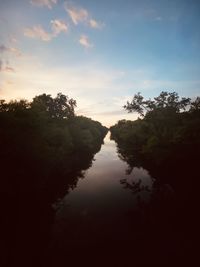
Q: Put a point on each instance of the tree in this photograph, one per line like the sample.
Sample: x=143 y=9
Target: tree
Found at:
x=14 y=106
x=3 y=105
x=59 y=107
x=63 y=107
x=42 y=103
x=195 y=105
x=165 y=100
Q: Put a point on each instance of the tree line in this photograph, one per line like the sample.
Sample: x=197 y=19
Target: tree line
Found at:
x=46 y=133
x=166 y=135
x=45 y=148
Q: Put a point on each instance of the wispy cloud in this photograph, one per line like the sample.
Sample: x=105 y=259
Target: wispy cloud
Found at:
x=58 y=26
x=95 y=24
x=76 y=14
x=84 y=41
x=13 y=50
x=37 y=32
x=41 y=3
x=8 y=69
x=92 y=84
x=3 y=48
x=81 y=15
x=5 y=67
x=13 y=40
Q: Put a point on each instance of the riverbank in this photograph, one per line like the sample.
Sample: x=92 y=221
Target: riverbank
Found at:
x=43 y=154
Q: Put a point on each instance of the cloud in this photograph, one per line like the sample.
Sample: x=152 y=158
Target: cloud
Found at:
x=84 y=41
x=58 y=26
x=15 y=51
x=4 y=49
x=13 y=39
x=5 y=67
x=8 y=69
x=4 y=64
x=81 y=15
x=87 y=84
x=100 y=91
x=41 y=3
x=95 y=24
x=37 y=32
x=76 y=14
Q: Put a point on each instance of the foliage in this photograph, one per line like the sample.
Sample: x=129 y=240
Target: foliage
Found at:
x=165 y=100
x=164 y=136
x=45 y=148
x=59 y=107
x=47 y=134
x=166 y=142
x=195 y=105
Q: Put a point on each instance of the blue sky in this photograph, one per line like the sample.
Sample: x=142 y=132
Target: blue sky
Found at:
x=99 y=52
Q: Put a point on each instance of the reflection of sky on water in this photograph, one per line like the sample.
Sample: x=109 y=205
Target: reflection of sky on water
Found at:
x=99 y=197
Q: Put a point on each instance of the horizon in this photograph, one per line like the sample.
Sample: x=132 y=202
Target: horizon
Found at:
x=99 y=53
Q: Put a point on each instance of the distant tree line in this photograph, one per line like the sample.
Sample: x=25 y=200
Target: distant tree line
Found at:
x=45 y=136
x=165 y=140
x=44 y=149
x=167 y=136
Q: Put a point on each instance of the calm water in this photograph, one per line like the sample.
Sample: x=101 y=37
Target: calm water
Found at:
x=100 y=207
x=116 y=219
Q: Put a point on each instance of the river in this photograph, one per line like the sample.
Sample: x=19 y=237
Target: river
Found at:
x=102 y=209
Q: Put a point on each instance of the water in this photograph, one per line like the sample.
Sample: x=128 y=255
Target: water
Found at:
x=102 y=208
x=116 y=218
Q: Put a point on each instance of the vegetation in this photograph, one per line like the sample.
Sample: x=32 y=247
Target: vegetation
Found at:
x=167 y=136
x=47 y=134
x=165 y=142
x=167 y=101
x=45 y=148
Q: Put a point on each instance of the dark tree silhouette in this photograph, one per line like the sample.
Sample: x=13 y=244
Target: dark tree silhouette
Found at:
x=44 y=150
x=59 y=107
x=164 y=100
x=195 y=105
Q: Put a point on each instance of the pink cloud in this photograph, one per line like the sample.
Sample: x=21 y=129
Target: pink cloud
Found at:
x=58 y=26
x=41 y=3
x=5 y=67
x=84 y=41
x=95 y=24
x=37 y=32
x=76 y=14
x=7 y=49
x=81 y=15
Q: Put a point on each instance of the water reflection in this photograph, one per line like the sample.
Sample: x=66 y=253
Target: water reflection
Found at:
x=102 y=188
x=115 y=217
x=99 y=212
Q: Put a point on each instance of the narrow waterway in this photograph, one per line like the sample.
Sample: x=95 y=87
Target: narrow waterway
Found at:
x=101 y=208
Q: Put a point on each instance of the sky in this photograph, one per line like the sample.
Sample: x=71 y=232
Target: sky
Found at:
x=99 y=52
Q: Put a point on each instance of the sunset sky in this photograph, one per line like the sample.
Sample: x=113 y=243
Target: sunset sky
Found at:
x=99 y=52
